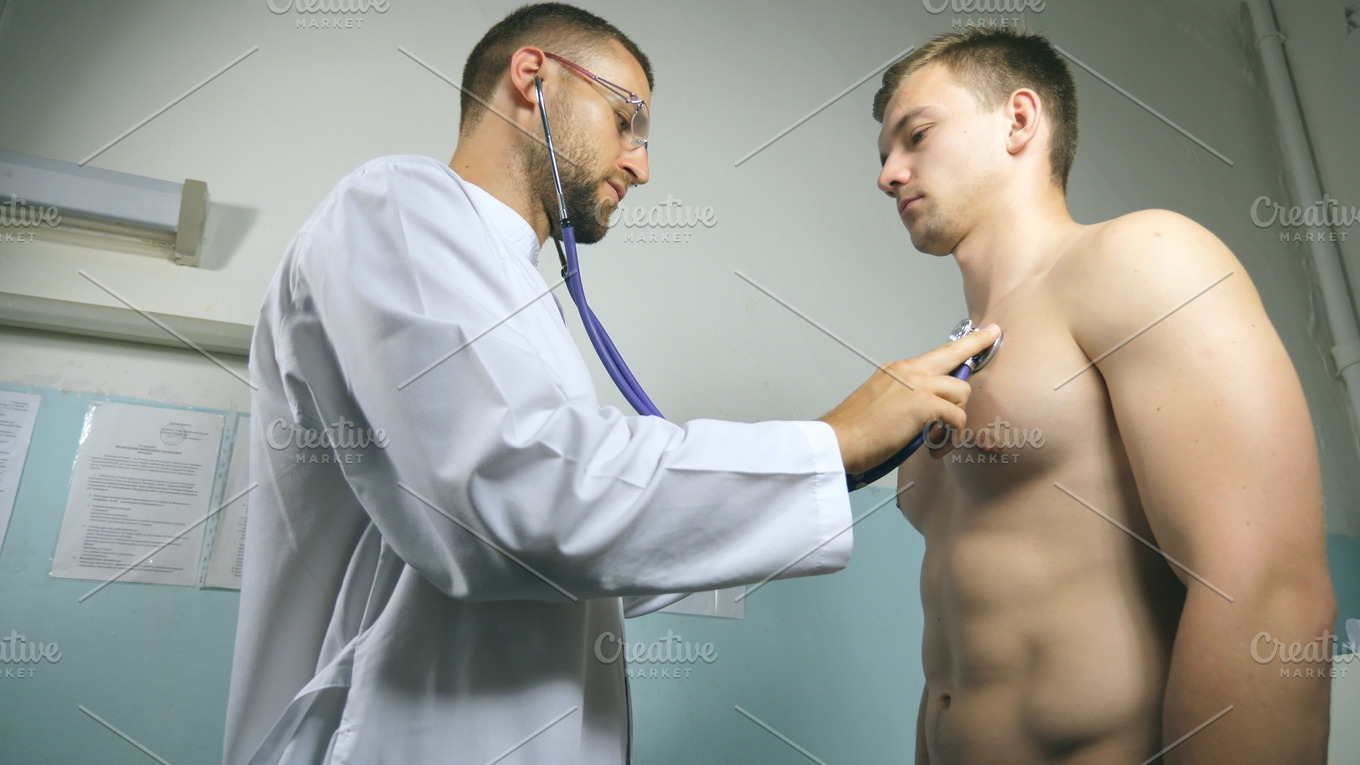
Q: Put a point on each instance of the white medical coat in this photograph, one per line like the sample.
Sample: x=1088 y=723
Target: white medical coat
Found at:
x=438 y=594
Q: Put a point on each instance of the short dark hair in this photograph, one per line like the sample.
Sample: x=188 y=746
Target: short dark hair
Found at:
x=994 y=63
x=559 y=28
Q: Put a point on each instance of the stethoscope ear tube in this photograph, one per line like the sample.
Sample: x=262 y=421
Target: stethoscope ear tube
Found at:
x=599 y=338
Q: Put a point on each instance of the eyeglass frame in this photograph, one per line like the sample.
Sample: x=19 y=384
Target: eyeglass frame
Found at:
x=627 y=95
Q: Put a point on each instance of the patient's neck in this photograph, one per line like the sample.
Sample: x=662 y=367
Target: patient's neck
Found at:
x=1020 y=240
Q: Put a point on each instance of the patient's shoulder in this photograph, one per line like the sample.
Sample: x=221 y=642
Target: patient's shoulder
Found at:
x=1151 y=240
x=1135 y=264
x=1148 y=250
x=1151 y=228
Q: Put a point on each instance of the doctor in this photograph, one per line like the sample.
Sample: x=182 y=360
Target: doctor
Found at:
x=445 y=517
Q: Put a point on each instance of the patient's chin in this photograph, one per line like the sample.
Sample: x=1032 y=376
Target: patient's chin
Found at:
x=930 y=245
x=934 y=236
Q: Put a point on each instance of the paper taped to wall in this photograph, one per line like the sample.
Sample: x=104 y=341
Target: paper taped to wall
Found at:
x=18 y=412
x=140 y=492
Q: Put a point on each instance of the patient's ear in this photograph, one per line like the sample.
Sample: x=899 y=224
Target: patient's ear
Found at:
x=1025 y=112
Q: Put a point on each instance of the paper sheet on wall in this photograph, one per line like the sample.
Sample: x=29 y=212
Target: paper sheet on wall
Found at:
x=18 y=411
x=229 y=543
x=140 y=492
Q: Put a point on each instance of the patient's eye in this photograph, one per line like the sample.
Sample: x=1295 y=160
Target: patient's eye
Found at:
x=918 y=136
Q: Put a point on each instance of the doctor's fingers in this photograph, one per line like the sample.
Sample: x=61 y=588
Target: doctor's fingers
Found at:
x=949 y=356
x=944 y=412
x=951 y=389
x=905 y=379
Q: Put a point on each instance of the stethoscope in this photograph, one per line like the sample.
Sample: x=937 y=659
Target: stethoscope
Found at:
x=604 y=346
x=623 y=376
x=962 y=371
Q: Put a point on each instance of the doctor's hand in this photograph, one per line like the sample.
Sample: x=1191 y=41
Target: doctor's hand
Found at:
x=900 y=399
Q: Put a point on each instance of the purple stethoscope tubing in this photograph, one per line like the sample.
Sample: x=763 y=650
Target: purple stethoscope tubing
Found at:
x=599 y=338
x=604 y=345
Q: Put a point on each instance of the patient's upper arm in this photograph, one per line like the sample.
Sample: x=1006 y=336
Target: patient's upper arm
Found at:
x=1207 y=402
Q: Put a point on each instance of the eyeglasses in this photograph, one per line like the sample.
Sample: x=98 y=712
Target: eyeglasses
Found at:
x=638 y=123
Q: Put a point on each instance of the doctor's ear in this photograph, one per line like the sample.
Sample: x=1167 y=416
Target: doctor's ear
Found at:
x=526 y=64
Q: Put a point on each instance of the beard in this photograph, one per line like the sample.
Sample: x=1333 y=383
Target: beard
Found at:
x=580 y=185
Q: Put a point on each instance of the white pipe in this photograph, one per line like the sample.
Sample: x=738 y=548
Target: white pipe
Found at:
x=119 y=323
x=1307 y=189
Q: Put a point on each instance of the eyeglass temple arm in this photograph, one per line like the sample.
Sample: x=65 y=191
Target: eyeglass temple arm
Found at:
x=628 y=95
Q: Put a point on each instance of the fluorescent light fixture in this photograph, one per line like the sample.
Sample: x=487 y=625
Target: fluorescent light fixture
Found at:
x=62 y=201
x=167 y=216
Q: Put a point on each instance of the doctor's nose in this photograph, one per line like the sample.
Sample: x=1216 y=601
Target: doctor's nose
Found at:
x=635 y=163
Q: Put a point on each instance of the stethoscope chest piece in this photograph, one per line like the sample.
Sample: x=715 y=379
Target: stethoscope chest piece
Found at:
x=976 y=363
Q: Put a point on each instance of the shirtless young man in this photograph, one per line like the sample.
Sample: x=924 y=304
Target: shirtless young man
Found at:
x=1052 y=634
